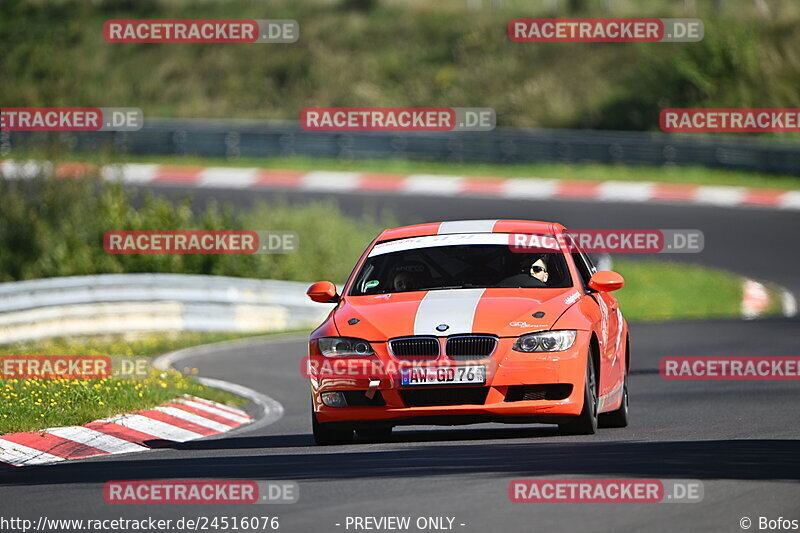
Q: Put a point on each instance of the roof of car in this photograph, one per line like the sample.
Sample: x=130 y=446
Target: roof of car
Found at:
x=471 y=226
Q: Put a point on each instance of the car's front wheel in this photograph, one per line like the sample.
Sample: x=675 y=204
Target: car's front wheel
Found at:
x=328 y=433
x=619 y=417
x=586 y=422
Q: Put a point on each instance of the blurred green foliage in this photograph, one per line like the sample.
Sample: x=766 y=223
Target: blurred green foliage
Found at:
x=396 y=53
x=52 y=227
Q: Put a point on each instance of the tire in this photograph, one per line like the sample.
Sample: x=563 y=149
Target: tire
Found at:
x=375 y=434
x=619 y=417
x=326 y=433
x=586 y=422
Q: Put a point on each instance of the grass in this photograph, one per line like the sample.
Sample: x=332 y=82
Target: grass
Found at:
x=684 y=175
x=34 y=404
x=134 y=344
x=660 y=290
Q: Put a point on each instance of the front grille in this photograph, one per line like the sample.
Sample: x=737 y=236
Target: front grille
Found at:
x=415 y=348
x=356 y=398
x=448 y=396
x=519 y=393
x=470 y=347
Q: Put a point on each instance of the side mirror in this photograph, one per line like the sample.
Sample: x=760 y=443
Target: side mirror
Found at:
x=323 y=292
x=606 y=281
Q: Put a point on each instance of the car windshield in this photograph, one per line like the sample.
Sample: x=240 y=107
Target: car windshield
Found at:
x=460 y=266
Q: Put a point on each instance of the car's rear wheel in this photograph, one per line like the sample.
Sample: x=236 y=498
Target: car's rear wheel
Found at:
x=329 y=433
x=586 y=422
x=376 y=434
x=619 y=417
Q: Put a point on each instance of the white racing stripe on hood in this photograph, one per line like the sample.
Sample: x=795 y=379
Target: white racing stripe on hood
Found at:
x=456 y=308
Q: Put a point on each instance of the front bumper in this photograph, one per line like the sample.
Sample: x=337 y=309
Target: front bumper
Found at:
x=510 y=375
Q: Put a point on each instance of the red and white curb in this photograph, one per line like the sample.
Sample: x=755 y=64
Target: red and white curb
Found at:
x=424 y=184
x=180 y=420
x=756 y=300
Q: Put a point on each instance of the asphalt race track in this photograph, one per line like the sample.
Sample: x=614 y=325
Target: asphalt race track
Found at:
x=740 y=438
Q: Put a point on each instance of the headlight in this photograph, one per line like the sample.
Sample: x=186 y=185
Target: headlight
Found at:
x=546 y=341
x=344 y=347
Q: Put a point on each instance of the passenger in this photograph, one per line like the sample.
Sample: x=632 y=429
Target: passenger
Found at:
x=404 y=281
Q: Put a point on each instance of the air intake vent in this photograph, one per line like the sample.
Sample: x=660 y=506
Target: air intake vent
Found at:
x=444 y=396
x=356 y=398
x=520 y=393
x=415 y=348
x=470 y=347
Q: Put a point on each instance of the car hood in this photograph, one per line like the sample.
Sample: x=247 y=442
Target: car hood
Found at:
x=501 y=312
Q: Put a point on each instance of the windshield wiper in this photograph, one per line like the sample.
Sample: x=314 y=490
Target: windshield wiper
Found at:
x=464 y=286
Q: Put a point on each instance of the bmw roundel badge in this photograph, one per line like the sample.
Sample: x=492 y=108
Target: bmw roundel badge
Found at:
x=442 y=327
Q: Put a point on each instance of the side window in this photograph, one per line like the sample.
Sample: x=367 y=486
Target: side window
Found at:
x=361 y=284
x=584 y=268
x=588 y=259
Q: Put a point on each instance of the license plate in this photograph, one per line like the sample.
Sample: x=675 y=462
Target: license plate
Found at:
x=451 y=375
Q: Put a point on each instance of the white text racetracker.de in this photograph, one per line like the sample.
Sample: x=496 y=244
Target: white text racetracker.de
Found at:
x=400 y=523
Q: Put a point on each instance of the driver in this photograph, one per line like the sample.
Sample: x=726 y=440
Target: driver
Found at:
x=531 y=271
x=539 y=271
